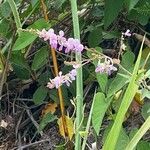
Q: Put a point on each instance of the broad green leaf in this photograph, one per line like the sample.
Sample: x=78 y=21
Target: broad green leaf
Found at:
x=122 y=141
x=95 y=37
x=40 y=24
x=111 y=35
x=40 y=59
x=47 y=118
x=131 y=4
x=26 y=38
x=44 y=77
x=53 y=94
x=102 y=79
x=145 y=93
x=20 y=66
x=99 y=109
x=128 y=61
x=143 y=145
x=116 y=85
x=5 y=9
x=40 y=95
x=146 y=110
x=4 y=26
x=112 y=8
x=133 y=132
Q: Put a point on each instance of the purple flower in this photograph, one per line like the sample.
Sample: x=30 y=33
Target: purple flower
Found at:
x=127 y=33
x=59 y=41
x=105 y=68
x=52 y=38
x=100 y=68
x=61 y=79
x=72 y=74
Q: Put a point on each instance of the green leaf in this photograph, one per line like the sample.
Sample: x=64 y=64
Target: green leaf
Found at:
x=95 y=37
x=116 y=85
x=44 y=77
x=128 y=61
x=20 y=66
x=102 y=79
x=99 y=109
x=47 y=118
x=5 y=9
x=143 y=145
x=111 y=35
x=122 y=141
x=40 y=59
x=26 y=38
x=146 y=110
x=53 y=94
x=4 y=26
x=112 y=8
x=145 y=93
x=133 y=132
x=40 y=24
x=40 y=95
x=130 y=4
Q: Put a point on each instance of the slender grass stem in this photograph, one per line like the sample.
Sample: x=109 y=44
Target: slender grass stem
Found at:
x=132 y=88
x=15 y=13
x=79 y=82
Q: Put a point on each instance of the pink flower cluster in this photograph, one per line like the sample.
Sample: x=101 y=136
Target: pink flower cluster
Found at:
x=105 y=67
x=62 y=79
x=127 y=33
x=60 y=42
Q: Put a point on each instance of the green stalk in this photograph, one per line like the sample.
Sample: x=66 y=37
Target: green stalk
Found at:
x=139 y=135
x=79 y=82
x=15 y=13
x=88 y=123
x=132 y=88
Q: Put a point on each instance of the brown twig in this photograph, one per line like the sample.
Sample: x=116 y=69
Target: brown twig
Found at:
x=56 y=73
x=33 y=144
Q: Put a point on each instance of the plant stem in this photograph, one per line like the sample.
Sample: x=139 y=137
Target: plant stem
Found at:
x=132 y=88
x=53 y=52
x=88 y=123
x=79 y=82
x=15 y=13
x=139 y=134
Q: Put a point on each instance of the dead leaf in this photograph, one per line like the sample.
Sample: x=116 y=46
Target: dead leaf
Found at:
x=138 y=98
x=70 y=127
x=51 y=107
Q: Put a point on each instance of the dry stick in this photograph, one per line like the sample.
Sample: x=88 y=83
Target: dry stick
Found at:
x=56 y=73
x=4 y=76
x=35 y=143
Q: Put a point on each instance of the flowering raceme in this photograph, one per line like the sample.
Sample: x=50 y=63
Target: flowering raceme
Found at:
x=60 y=42
x=61 y=79
x=105 y=67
